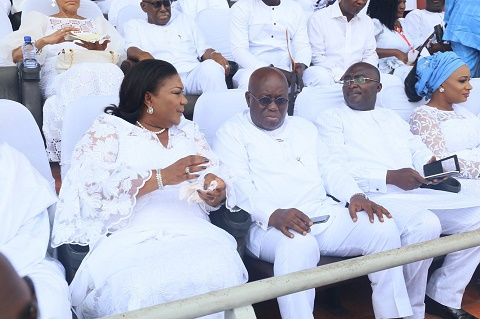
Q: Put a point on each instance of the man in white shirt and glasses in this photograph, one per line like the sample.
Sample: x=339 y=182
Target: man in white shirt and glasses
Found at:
x=339 y=36
x=174 y=37
x=281 y=175
x=377 y=148
x=268 y=33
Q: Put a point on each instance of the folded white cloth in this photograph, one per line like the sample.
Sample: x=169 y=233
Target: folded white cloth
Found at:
x=189 y=191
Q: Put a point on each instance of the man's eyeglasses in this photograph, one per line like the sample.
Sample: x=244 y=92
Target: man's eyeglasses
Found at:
x=360 y=80
x=158 y=4
x=31 y=310
x=266 y=101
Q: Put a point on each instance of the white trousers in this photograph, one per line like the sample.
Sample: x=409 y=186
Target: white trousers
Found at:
x=207 y=76
x=447 y=284
x=342 y=238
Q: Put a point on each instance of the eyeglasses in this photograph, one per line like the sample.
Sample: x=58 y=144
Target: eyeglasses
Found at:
x=31 y=310
x=266 y=101
x=158 y=4
x=360 y=80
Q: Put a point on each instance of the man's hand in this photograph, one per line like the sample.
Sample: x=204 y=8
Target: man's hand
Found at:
x=291 y=218
x=359 y=203
x=406 y=178
x=299 y=68
x=217 y=57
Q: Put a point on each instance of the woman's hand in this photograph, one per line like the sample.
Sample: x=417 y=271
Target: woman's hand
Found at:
x=402 y=56
x=58 y=36
x=184 y=169
x=93 y=45
x=213 y=197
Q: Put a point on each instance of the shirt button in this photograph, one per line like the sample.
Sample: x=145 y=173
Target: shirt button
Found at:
x=378 y=189
x=260 y=223
x=272 y=36
x=274 y=23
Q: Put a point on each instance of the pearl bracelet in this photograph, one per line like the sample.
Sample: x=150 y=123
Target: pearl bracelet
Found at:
x=159 y=179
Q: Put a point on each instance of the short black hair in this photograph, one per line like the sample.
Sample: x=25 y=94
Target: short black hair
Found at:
x=145 y=76
x=385 y=11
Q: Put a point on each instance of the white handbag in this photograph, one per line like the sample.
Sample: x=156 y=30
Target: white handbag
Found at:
x=67 y=58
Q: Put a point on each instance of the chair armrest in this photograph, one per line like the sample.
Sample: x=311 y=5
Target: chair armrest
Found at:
x=30 y=93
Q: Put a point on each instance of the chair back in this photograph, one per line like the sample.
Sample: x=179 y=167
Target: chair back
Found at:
x=5 y=26
x=473 y=102
x=118 y=5
x=88 y=9
x=394 y=98
x=129 y=12
x=215 y=26
x=314 y=100
x=78 y=118
x=214 y=108
x=19 y=129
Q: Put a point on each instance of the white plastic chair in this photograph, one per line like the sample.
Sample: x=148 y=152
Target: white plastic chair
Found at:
x=214 y=108
x=394 y=98
x=19 y=130
x=314 y=100
x=473 y=102
x=88 y=9
x=215 y=26
x=119 y=5
x=133 y=11
x=193 y=7
x=77 y=120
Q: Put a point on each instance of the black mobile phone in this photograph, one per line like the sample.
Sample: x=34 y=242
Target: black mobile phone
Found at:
x=445 y=167
x=320 y=219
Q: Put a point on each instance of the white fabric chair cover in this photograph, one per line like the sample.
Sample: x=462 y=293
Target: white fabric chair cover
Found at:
x=394 y=98
x=5 y=25
x=78 y=118
x=214 y=108
x=119 y=5
x=88 y=9
x=127 y=13
x=314 y=100
x=473 y=102
x=215 y=25
x=104 y=5
x=19 y=130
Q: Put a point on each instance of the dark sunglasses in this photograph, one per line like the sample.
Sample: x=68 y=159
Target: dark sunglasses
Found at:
x=31 y=310
x=360 y=80
x=266 y=101
x=158 y=4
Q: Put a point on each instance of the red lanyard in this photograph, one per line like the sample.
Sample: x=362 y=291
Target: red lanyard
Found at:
x=404 y=37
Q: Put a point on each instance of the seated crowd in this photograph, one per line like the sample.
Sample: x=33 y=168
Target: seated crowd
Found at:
x=144 y=180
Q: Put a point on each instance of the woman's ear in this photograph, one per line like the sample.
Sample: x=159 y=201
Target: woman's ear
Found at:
x=147 y=99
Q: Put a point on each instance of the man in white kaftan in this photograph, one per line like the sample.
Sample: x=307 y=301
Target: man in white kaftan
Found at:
x=282 y=174
x=268 y=32
x=25 y=231
x=174 y=37
x=339 y=37
x=419 y=23
x=377 y=148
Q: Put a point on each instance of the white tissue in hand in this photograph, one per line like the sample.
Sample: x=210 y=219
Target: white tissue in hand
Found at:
x=189 y=191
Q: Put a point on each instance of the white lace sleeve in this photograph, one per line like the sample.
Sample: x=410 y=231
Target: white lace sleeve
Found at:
x=98 y=194
x=203 y=149
x=426 y=124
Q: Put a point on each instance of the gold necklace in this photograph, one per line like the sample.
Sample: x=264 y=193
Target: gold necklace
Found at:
x=156 y=133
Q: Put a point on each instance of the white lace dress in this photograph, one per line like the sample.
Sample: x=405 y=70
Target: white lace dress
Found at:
x=144 y=251
x=61 y=89
x=452 y=132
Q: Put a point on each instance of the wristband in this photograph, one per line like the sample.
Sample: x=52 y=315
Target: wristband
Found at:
x=159 y=179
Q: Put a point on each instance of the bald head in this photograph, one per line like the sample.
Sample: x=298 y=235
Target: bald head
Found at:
x=361 y=96
x=267 y=98
x=15 y=295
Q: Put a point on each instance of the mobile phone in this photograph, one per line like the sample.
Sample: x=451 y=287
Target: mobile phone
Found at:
x=445 y=167
x=320 y=219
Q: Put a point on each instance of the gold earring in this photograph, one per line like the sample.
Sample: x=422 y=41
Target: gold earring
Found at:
x=150 y=109
x=441 y=90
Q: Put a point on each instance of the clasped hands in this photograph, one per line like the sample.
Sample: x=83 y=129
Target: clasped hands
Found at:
x=294 y=219
x=186 y=169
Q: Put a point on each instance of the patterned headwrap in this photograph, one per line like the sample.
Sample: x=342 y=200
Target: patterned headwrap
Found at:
x=433 y=70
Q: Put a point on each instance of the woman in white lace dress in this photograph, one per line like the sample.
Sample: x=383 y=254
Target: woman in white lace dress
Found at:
x=444 y=126
x=61 y=89
x=121 y=197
